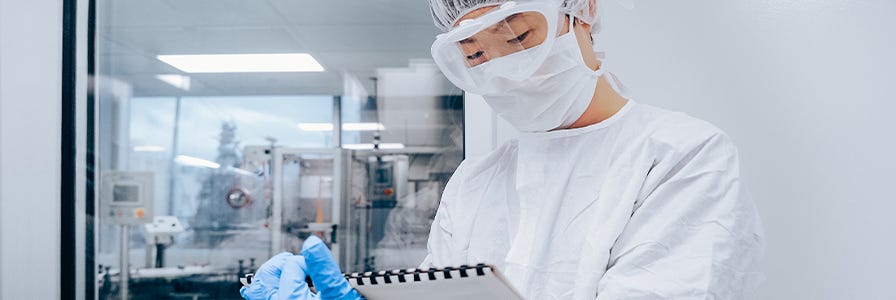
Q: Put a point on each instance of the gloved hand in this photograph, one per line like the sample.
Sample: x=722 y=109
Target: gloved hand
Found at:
x=283 y=276
x=327 y=278
x=266 y=281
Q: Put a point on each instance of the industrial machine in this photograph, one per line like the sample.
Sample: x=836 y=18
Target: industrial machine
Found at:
x=372 y=207
x=222 y=218
x=126 y=199
x=159 y=235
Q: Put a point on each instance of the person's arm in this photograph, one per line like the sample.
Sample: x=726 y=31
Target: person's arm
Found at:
x=692 y=234
x=440 y=245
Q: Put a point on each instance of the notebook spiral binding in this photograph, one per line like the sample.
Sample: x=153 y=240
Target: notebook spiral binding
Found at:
x=414 y=275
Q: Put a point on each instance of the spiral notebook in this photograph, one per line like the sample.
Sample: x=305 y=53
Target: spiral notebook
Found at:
x=464 y=282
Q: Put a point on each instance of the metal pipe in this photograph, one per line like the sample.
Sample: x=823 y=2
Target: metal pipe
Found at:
x=125 y=270
x=276 y=200
x=337 y=122
x=172 y=168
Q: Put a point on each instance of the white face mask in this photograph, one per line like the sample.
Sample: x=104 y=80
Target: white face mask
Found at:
x=554 y=97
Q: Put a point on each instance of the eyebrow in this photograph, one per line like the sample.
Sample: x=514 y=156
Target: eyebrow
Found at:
x=506 y=20
x=493 y=28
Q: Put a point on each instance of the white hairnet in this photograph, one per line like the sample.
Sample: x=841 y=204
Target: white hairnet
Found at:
x=446 y=12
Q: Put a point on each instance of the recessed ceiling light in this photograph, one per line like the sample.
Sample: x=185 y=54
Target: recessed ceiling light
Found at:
x=363 y=127
x=243 y=63
x=177 y=80
x=358 y=146
x=391 y=146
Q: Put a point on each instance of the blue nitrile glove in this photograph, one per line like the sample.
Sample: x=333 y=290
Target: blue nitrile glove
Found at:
x=292 y=280
x=280 y=278
x=266 y=281
x=327 y=278
x=283 y=276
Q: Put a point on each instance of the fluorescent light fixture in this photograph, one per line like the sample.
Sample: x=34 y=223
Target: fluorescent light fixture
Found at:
x=148 y=149
x=386 y=146
x=345 y=127
x=363 y=127
x=196 y=162
x=358 y=146
x=243 y=63
x=383 y=146
x=176 y=80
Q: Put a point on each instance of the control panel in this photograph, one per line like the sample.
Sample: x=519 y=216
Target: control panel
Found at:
x=126 y=197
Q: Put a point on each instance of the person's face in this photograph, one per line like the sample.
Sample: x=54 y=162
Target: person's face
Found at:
x=514 y=33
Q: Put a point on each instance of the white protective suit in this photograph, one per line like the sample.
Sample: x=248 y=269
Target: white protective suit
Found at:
x=644 y=205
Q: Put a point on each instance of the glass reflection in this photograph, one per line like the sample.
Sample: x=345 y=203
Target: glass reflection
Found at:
x=244 y=165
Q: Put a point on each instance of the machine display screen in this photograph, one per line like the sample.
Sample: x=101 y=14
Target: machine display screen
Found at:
x=383 y=175
x=125 y=193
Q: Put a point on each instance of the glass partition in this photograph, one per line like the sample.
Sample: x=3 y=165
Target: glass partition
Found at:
x=229 y=131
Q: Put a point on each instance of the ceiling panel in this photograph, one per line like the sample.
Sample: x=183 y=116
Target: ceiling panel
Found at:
x=133 y=63
x=356 y=36
x=274 y=83
x=328 y=83
x=184 y=13
x=363 y=63
x=309 y=12
x=379 y=37
x=206 y=40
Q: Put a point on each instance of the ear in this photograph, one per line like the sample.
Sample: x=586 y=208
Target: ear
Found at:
x=586 y=44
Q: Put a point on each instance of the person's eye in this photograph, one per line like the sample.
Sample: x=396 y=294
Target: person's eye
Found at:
x=519 y=39
x=476 y=55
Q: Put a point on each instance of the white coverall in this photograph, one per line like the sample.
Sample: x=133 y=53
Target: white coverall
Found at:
x=644 y=205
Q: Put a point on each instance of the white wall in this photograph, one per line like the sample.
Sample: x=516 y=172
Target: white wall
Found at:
x=805 y=88
x=30 y=71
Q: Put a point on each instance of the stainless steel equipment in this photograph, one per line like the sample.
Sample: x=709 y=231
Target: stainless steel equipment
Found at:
x=126 y=199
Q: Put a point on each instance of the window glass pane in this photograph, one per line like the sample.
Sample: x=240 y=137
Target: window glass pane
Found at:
x=210 y=160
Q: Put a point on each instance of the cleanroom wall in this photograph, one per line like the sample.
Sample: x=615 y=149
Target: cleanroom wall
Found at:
x=30 y=49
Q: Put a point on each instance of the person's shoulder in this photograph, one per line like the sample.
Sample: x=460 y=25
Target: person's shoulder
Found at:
x=498 y=158
x=679 y=131
x=475 y=170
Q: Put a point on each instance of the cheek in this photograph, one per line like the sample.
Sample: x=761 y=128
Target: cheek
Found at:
x=469 y=48
x=538 y=36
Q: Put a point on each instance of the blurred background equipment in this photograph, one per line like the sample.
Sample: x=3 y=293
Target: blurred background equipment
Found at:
x=351 y=135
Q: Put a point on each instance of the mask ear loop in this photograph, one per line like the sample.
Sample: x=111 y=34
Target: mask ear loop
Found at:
x=600 y=56
x=614 y=81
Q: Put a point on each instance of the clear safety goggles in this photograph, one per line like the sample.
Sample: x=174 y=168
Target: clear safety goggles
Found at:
x=510 y=42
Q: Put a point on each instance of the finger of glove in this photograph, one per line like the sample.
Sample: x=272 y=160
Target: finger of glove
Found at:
x=270 y=270
x=259 y=292
x=292 y=280
x=266 y=280
x=327 y=278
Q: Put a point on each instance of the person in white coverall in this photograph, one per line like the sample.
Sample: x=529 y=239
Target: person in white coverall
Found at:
x=600 y=197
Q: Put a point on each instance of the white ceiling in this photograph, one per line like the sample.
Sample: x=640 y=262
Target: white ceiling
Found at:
x=355 y=36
